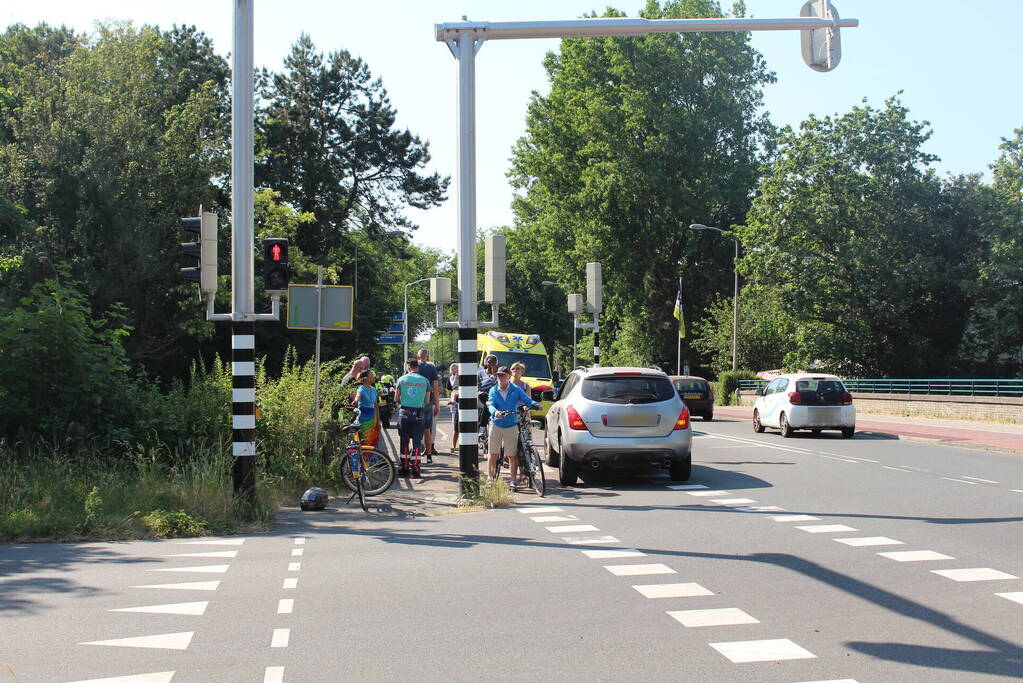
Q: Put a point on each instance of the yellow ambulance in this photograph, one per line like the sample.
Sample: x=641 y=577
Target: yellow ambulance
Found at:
x=514 y=347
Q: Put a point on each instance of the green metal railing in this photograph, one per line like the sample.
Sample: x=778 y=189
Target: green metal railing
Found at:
x=946 y=387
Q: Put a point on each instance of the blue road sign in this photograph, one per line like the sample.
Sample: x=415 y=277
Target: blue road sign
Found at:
x=397 y=328
x=391 y=339
x=398 y=317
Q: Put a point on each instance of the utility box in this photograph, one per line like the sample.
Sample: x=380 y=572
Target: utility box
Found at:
x=576 y=303
x=493 y=269
x=594 y=302
x=440 y=290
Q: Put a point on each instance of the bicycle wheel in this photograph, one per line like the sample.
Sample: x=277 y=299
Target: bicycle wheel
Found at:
x=379 y=472
x=536 y=476
x=362 y=491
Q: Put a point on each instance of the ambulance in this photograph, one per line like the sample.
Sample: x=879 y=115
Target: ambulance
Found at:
x=513 y=347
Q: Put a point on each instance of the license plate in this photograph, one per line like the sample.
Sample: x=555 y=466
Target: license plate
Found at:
x=693 y=396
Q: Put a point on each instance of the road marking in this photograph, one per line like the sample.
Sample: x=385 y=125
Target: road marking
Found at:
x=732 y=501
x=224 y=541
x=583 y=540
x=761 y=508
x=285 y=606
x=834 y=680
x=532 y=510
x=1015 y=597
x=868 y=540
x=300 y=540
x=297 y=552
x=555 y=518
x=159 y=677
x=725 y=616
x=294 y=566
x=836 y=457
x=206 y=569
x=290 y=583
x=826 y=528
x=570 y=528
x=708 y=493
x=280 y=637
x=273 y=674
x=975 y=574
x=1017 y=490
x=686 y=487
x=897 y=469
x=986 y=481
x=216 y=553
x=163 y=641
x=673 y=590
x=742 y=651
x=608 y=554
x=192 y=586
x=638 y=569
x=916 y=556
x=961 y=481
x=795 y=518
x=192 y=609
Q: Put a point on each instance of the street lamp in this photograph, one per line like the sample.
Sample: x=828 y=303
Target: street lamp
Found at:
x=735 y=296
x=405 y=314
x=552 y=283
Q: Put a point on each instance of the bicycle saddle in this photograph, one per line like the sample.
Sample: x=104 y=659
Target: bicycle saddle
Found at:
x=348 y=429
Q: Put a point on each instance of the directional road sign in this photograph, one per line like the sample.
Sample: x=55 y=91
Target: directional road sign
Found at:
x=336 y=313
x=391 y=339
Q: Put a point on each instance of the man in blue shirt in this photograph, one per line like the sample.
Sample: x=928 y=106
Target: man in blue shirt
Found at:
x=504 y=400
x=414 y=398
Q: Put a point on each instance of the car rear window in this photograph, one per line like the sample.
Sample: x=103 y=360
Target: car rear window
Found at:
x=684 y=385
x=624 y=389
x=821 y=386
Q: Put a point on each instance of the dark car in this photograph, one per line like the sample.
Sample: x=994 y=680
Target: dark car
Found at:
x=697 y=394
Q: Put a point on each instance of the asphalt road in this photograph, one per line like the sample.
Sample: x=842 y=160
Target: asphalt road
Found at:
x=804 y=559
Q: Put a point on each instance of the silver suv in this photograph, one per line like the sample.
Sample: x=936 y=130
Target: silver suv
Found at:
x=618 y=418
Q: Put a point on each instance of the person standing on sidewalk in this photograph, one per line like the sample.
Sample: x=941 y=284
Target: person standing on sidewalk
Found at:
x=413 y=397
x=429 y=371
x=369 y=410
x=453 y=385
x=504 y=401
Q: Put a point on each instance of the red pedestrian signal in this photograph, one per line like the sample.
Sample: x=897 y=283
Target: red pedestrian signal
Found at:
x=276 y=273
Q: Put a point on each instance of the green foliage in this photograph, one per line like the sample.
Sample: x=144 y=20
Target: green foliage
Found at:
x=173 y=524
x=728 y=384
x=766 y=331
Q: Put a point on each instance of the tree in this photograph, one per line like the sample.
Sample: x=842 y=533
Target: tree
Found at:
x=329 y=147
x=765 y=335
x=868 y=251
x=638 y=138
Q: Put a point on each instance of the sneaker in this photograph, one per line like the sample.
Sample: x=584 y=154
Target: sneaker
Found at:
x=416 y=474
x=513 y=487
x=429 y=458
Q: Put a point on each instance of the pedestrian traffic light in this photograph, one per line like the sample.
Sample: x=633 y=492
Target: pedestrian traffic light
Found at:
x=275 y=264
x=204 y=228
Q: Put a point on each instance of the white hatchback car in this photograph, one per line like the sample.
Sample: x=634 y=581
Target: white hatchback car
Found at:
x=805 y=400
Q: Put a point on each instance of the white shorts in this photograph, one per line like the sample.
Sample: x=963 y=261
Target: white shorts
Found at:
x=504 y=436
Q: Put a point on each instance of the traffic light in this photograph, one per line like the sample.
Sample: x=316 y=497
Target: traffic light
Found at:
x=204 y=228
x=275 y=264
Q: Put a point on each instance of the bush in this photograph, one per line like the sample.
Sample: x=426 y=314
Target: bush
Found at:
x=167 y=524
x=728 y=383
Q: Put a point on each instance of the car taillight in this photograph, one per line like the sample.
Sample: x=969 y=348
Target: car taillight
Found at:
x=683 y=418
x=846 y=399
x=794 y=398
x=711 y=394
x=574 y=421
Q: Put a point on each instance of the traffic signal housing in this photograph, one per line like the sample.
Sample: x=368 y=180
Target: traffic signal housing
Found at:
x=276 y=273
x=204 y=251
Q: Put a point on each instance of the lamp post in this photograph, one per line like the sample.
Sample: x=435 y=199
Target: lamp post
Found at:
x=735 y=296
x=552 y=283
x=405 y=315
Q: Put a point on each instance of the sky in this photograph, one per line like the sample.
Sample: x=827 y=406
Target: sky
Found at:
x=957 y=63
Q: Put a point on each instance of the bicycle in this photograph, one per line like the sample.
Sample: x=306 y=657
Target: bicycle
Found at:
x=366 y=470
x=483 y=421
x=529 y=459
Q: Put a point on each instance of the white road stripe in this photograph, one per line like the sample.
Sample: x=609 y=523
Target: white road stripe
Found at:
x=294 y=566
x=836 y=457
x=205 y=569
x=190 y=586
x=300 y=540
x=290 y=583
x=777 y=649
x=686 y=487
x=961 y=481
x=732 y=501
x=555 y=518
x=223 y=541
x=897 y=469
x=297 y=552
x=638 y=569
x=609 y=554
x=532 y=510
x=285 y=606
x=273 y=674
x=975 y=574
x=587 y=540
x=761 y=508
x=572 y=527
x=1017 y=490
x=986 y=481
x=224 y=554
x=795 y=518
x=191 y=609
x=673 y=590
x=280 y=637
x=826 y=528
x=915 y=556
x=723 y=616
x=708 y=493
x=868 y=540
x=1015 y=596
x=158 y=677
x=163 y=641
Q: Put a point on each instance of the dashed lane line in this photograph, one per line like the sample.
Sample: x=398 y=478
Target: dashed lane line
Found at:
x=722 y=616
x=273 y=674
x=961 y=481
x=834 y=680
x=778 y=649
x=297 y=552
x=300 y=540
x=285 y=606
x=868 y=541
x=916 y=556
x=294 y=566
x=191 y=609
x=672 y=590
x=280 y=637
x=974 y=574
x=985 y=481
x=638 y=569
x=290 y=583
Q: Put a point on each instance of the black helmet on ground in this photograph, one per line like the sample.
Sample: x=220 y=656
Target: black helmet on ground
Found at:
x=314 y=499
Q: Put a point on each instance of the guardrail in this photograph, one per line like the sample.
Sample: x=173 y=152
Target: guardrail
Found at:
x=945 y=387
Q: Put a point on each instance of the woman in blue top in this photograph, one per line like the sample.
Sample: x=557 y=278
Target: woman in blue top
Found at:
x=505 y=399
x=369 y=410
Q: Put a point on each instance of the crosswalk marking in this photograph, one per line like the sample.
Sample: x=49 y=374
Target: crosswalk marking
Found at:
x=587 y=540
x=685 y=487
x=868 y=540
x=205 y=569
x=777 y=649
x=673 y=590
x=189 y=586
x=609 y=554
x=158 y=677
x=220 y=541
x=638 y=569
x=294 y=566
x=555 y=518
x=732 y=501
x=724 y=616
x=215 y=553
x=974 y=574
x=532 y=510
x=707 y=493
x=1014 y=596
x=826 y=528
x=572 y=527
x=162 y=641
x=760 y=508
x=915 y=556
x=192 y=609
x=297 y=552
x=795 y=518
